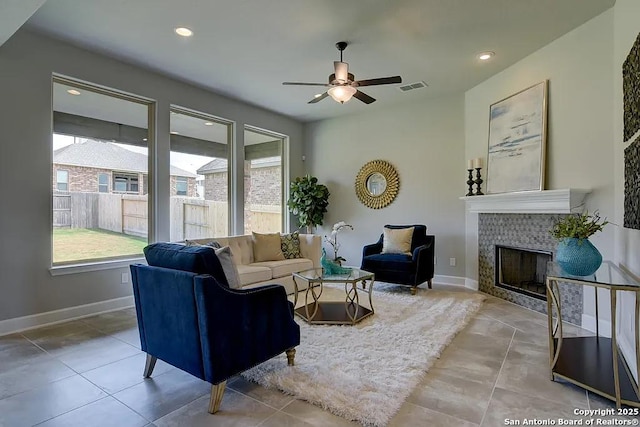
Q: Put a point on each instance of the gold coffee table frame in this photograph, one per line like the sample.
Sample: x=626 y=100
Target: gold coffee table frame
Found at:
x=593 y=362
x=349 y=312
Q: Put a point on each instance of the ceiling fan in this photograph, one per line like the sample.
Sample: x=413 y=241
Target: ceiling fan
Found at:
x=343 y=85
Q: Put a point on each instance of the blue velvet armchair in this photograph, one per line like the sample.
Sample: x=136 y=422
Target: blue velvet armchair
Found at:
x=190 y=318
x=404 y=269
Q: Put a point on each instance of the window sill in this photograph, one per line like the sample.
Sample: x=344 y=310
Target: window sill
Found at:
x=60 y=270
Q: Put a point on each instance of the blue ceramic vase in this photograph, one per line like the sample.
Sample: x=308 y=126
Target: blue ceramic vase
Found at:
x=578 y=256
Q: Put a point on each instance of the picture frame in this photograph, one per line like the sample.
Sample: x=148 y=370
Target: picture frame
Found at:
x=517 y=141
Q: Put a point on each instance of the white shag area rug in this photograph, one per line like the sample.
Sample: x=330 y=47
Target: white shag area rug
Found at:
x=365 y=372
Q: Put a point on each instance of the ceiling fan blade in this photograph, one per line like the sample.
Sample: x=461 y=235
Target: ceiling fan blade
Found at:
x=364 y=97
x=380 y=81
x=304 y=84
x=318 y=98
x=341 y=71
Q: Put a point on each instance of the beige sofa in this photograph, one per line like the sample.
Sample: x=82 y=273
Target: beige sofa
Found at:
x=253 y=274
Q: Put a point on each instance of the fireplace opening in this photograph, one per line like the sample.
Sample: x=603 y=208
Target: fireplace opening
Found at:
x=522 y=270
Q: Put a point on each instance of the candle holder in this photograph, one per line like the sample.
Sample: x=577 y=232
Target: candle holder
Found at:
x=470 y=183
x=478 y=181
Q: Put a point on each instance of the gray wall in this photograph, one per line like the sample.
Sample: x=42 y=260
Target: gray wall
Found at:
x=424 y=140
x=585 y=148
x=579 y=149
x=27 y=62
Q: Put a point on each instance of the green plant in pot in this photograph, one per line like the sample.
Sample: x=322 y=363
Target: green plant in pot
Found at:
x=308 y=200
x=575 y=253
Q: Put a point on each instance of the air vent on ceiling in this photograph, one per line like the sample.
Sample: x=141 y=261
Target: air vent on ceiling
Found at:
x=412 y=86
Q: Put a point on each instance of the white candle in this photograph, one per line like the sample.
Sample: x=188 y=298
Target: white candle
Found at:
x=477 y=163
x=469 y=164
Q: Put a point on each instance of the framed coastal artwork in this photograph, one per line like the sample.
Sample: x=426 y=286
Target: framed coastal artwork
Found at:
x=517 y=141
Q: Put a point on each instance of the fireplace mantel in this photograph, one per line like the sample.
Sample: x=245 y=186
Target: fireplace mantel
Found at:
x=567 y=200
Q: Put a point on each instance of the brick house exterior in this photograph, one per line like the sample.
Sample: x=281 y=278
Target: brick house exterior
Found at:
x=85 y=162
x=262 y=182
x=85 y=180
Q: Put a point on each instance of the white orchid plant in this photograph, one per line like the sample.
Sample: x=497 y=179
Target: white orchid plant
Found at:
x=333 y=239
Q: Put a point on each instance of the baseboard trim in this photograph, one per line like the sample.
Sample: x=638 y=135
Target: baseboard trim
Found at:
x=471 y=284
x=19 y=324
x=448 y=280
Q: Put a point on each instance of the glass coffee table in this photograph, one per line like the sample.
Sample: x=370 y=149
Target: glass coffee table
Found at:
x=349 y=312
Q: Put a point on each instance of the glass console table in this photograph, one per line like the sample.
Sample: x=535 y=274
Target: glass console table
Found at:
x=593 y=363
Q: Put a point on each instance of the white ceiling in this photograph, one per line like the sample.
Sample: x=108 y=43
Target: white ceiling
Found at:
x=247 y=48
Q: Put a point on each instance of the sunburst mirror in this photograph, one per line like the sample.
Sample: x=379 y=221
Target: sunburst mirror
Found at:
x=377 y=184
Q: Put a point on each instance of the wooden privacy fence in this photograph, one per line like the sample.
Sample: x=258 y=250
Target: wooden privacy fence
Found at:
x=75 y=210
x=191 y=218
x=263 y=219
x=196 y=218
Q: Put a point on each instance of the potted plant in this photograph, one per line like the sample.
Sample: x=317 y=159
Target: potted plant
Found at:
x=308 y=200
x=333 y=240
x=575 y=253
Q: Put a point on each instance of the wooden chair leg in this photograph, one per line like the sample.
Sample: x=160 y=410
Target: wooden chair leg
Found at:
x=149 y=365
x=217 y=391
x=291 y=354
x=414 y=290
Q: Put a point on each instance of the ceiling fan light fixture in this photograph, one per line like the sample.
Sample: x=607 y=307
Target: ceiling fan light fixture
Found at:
x=341 y=94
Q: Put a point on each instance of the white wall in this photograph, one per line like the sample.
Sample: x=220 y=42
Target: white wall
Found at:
x=27 y=62
x=424 y=140
x=627 y=241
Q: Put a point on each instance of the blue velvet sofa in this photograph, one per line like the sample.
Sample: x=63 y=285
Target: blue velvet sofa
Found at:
x=411 y=270
x=190 y=318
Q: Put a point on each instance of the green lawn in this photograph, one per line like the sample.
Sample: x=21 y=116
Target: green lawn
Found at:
x=81 y=244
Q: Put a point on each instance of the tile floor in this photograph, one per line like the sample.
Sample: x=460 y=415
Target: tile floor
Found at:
x=88 y=372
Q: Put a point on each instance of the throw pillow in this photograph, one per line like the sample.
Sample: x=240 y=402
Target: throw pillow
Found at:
x=397 y=240
x=290 y=245
x=213 y=243
x=228 y=266
x=267 y=247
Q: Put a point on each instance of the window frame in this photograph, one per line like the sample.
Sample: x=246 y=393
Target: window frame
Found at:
x=231 y=144
x=284 y=171
x=107 y=263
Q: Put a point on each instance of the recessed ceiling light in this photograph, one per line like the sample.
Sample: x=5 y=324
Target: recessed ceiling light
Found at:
x=485 y=55
x=183 y=31
x=73 y=92
x=173 y=132
x=208 y=123
x=144 y=139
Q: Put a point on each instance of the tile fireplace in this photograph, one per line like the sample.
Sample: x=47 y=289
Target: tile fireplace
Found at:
x=522 y=270
x=524 y=241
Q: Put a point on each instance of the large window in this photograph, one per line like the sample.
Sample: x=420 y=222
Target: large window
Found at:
x=100 y=158
x=200 y=147
x=263 y=181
